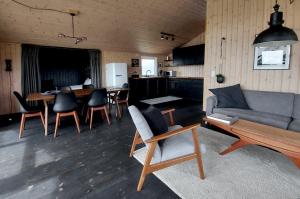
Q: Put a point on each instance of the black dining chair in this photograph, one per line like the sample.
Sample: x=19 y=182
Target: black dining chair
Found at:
x=89 y=86
x=82 y=102
x=97 y=102
x=120 y=100
x=65 y=105
x=27 y=112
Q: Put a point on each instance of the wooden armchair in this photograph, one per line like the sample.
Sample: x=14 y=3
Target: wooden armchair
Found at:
x=180 y=144
x=137 y=138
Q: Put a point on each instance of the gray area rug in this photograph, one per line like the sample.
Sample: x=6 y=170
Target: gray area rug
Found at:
x=251 y=172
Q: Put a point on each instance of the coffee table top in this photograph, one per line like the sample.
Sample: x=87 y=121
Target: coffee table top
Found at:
x=288 y=140
x=160 y=100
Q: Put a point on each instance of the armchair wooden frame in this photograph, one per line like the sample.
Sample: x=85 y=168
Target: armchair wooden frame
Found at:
x=149 y=168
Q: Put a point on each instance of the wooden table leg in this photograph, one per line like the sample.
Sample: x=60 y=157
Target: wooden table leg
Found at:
x=238 y=144
x=109 y=105
x=46 y=117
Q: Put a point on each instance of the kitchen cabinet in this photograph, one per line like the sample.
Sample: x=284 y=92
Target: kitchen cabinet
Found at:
x=146 y=88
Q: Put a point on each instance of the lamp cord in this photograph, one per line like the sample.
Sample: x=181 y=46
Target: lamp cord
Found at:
x=73 y=25
x=37 y=8
x=10 y=97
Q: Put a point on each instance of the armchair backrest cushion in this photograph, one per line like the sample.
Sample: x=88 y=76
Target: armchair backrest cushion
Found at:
x=144 y=130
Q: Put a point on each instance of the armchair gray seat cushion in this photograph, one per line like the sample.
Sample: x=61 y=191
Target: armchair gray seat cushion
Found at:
x=178 y=145
x=256 y=116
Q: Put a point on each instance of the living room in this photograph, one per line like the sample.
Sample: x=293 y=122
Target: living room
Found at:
x=184 y=69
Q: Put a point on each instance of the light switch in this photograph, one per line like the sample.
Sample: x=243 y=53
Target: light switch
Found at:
x=213 y=73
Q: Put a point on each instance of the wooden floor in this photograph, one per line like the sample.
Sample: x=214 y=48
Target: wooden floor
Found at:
x=94 y=164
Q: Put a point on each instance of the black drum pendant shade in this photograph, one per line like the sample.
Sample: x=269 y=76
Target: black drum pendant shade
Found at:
x=276 y=34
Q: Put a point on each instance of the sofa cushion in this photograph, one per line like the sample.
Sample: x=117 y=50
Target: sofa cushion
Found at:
x=296 y=111
x=230 y=97
x=295 y=125
x=178 y=145
x=270 y=102
x=256 y=116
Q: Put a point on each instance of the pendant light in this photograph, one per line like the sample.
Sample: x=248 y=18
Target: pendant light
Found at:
x=77 y=39
x=276 y=34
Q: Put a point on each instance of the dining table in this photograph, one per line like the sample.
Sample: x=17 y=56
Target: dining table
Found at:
x=79 y=93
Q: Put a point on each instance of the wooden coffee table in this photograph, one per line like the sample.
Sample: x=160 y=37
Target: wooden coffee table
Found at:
x=284 y=141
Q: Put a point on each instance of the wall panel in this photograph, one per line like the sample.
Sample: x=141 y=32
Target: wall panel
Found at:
x=10 y=81
x=124 y=57
x=238 y=21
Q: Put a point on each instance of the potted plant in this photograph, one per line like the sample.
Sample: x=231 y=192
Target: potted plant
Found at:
x=220 y=78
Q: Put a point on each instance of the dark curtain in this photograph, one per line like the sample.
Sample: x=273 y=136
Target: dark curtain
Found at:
x=30 y=73
x=95 y=65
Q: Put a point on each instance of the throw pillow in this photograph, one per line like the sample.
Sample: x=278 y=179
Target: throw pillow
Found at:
x=156 y=121
x=230 y=97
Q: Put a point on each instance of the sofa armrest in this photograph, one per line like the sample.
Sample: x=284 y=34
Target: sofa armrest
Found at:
x=211 y=103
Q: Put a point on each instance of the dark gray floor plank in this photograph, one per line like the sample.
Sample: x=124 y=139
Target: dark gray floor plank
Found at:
x=94 y=164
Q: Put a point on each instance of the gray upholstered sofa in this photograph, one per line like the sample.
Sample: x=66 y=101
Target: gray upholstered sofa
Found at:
x=276 y=109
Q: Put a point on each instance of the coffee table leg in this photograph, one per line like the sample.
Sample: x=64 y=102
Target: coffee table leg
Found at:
x=296 y=161
x=46 y=117
x=238 y=144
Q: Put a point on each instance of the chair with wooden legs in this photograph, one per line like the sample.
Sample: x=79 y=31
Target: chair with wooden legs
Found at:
x=97 y=102
x=179 y=144
x=27 y=112
x=65 y=105
x=137 y=138
x=120 y=100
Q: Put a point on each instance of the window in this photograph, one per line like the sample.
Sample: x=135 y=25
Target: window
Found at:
x=149 y=66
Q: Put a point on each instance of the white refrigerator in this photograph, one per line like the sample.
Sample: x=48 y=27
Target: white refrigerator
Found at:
x=116 y=74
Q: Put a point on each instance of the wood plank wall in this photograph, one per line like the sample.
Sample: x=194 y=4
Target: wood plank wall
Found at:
x=124 y=57
x=8 y=103
x=238 y=21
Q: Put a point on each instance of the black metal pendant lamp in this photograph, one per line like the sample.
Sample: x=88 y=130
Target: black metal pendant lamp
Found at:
x=276 y=34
